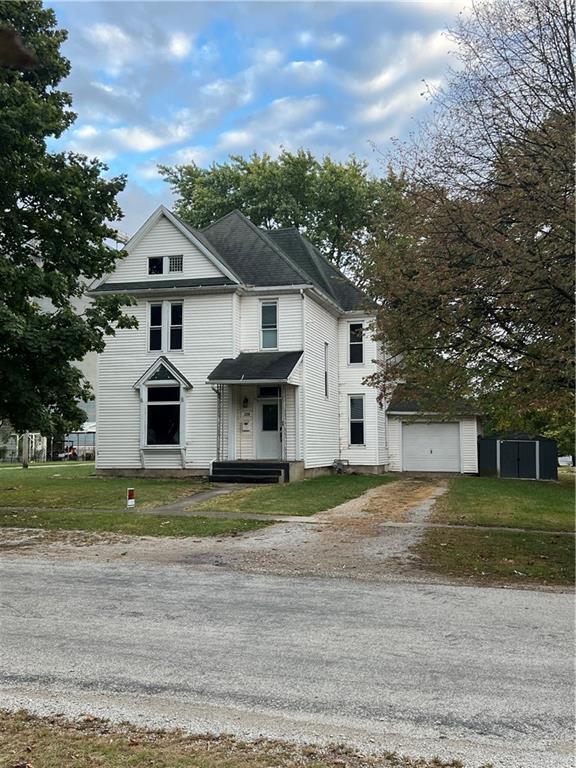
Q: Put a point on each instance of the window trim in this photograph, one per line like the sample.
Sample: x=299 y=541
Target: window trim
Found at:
x=356 y=421
x=356 y=343
x=262 y=304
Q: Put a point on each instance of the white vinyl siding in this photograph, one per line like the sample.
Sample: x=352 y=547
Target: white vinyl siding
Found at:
x=163 y=240
x=321 y=413
x=289 y=322
x=126 y=359
x=351 y=378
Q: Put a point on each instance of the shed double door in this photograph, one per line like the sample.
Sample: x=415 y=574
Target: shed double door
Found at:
x=518 y=458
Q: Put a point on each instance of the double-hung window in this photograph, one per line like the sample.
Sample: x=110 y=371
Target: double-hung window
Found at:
x=175 y=325
x=163 y=415
x=155 y=335
x=269 y=325
x=356 y=419
x=356 y=343
x=165 y=326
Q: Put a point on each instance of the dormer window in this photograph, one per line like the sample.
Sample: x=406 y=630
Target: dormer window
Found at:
x=156 y=266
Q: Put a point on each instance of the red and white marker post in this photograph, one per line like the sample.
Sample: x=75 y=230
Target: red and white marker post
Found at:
x=130 y=497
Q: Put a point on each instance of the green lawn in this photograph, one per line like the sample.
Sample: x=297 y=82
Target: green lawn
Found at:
x=510 y=503
x=300 y=498
x=125 y=522
x=76 y=485
x=498 y=556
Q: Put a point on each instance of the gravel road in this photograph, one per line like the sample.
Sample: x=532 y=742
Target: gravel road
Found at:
x=428 y=669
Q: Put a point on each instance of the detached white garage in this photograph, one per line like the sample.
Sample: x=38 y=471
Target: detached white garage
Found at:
x=429 y=442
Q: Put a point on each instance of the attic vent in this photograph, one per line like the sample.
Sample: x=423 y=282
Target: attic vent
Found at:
x=176 y=263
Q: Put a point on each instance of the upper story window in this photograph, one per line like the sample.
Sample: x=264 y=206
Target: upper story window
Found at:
x=176 y=325
x=156 y=266
x=166 y=325
x=356 y=343
x=175 y=263
x=269 y=325
x=155 y=332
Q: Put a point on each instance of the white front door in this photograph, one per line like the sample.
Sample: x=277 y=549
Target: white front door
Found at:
x=268 y=434
x=431 y=447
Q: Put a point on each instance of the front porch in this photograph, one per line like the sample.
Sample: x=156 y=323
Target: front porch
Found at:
x=261 y=472
x=258 y=423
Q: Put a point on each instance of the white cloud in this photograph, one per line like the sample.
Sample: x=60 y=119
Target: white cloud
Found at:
x=116 y=46
x=138 y=139
x=307 y=70
x=326 y=42
x=180 y=45
x=402 y=104
x=86 y=132
x=411 y=54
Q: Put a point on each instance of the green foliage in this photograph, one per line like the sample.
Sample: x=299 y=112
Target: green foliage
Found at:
x=54 y=209
x=332 y=203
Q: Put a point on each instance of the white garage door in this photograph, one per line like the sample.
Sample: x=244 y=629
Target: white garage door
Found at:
x=428 y=447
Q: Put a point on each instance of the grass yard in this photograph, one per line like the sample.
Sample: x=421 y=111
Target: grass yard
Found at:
x=502 y=556
x=76 y=485
x=126 y=522
x=509 y=503
x=301 y=498
x=499 y=556
x=54 y=742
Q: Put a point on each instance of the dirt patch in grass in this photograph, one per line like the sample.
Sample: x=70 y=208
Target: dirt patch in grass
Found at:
x=27 y=741
x=302 y=498
x=498 y=557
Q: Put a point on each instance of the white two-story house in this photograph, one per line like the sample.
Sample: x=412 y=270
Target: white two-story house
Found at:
x=249 y=363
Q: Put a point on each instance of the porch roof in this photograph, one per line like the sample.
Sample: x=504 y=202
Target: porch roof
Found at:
x=255 y=367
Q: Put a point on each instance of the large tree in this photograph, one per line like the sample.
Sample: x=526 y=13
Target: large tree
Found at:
x=54 y=209
x=473 y=268
x=332 y=203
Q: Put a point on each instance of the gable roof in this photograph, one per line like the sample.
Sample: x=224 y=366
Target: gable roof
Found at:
x=251 y=256
x=156 y=370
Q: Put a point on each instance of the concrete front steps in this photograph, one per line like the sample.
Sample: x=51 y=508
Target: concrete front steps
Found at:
x=250 y=472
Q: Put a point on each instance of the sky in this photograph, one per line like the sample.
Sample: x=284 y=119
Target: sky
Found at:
x=174 y=82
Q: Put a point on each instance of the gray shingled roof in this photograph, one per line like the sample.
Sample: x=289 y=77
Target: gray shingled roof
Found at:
x=256 y=367
x=322 y=273
x=405 y=400
x=250 y=253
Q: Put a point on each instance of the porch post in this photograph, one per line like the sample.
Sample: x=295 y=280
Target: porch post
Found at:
x=283 y=444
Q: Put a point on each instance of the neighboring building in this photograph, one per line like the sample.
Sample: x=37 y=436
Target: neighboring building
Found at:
x=249 y=359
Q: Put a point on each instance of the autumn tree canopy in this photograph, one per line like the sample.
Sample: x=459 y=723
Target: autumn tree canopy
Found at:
x=473 y=266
